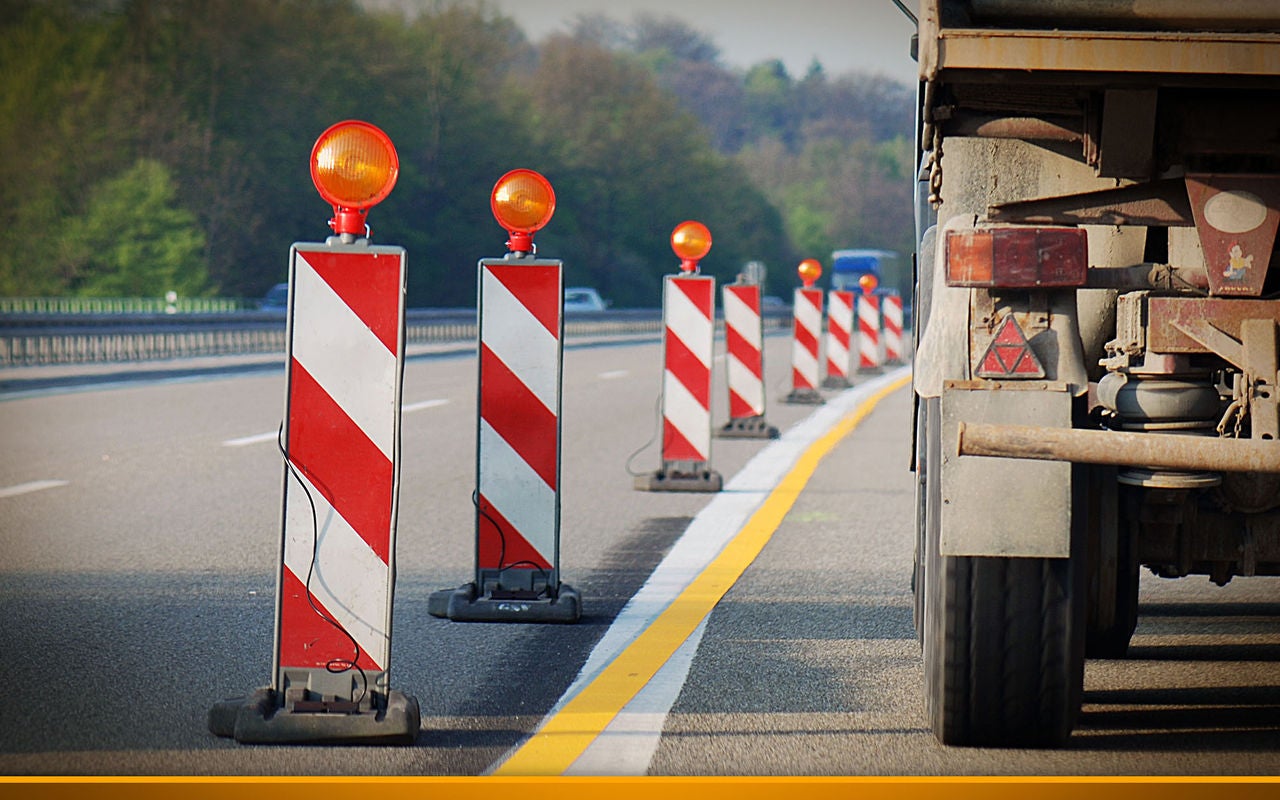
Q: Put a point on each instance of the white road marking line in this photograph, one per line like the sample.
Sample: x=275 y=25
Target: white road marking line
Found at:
x=422 y=405
x=629 y=742
x=33 y=486
x=256 y=438
x=614 y=373
x=272 y=435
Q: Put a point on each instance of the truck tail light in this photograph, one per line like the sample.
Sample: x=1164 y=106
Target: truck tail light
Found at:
x=1017 y=258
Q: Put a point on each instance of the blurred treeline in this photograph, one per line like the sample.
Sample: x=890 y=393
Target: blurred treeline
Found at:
x=156 y=145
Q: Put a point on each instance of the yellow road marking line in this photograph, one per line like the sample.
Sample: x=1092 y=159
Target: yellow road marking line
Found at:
x=565 y=736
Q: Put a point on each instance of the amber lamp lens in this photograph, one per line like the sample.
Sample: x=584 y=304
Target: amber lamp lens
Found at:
x=691 y=240
x=354 y=165
x=809 y=271
x=523 y=201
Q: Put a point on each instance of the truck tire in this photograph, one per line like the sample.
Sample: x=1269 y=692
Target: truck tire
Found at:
x=1112 y=595
x=1003 y=639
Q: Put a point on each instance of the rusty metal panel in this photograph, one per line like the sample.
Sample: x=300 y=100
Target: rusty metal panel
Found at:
x=1161 y=203
x=1004 y=506
x=1236 y=218
x=1233 y=54
x=1165 y=314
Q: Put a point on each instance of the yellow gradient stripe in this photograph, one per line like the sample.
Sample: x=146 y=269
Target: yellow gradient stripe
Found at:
x=565 y=736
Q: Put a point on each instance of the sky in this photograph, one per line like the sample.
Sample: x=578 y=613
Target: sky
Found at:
x=844 y=35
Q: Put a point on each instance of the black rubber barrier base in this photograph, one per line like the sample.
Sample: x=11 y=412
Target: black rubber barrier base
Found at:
x=808 y=397
x=466 y=604
x=260 y=719
x=835 y=383
x=660 y=481
x=748 y=428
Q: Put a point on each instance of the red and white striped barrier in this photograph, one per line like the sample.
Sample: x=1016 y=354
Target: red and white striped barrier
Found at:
x=744 y=364
x=337 y=570
x=839 y=338
x=688 y=315
x=891 y=309
x=806 y=333
x=518 y=470
x=869 y=332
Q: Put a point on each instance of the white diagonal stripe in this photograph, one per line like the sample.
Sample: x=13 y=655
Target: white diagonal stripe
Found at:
x=686 y=414
x=892 y=309
x=807 y=314
x=350 y=580
x=687 y=322
x=345 y=357
x=517 y=492
x=746 y=385
x=516 y=337
x=839 y=312
x=805 y=363
x=838 y=354
x=739 y=316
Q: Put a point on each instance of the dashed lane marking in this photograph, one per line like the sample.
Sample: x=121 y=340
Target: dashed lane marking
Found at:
x=32 y=486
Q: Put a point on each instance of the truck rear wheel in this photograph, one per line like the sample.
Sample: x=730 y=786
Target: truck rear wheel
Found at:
x=1003 y=643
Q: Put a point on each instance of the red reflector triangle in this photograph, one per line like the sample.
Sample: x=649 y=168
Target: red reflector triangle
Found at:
x=1010 y=355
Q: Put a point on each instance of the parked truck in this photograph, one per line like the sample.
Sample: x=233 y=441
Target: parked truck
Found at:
x=1097 y=298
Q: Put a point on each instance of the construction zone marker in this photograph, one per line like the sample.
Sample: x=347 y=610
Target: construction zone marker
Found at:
x=744 y=365
x=517 y=498
x=688 y=323
x=341 y=441
x=839 y=338
x=806 y=336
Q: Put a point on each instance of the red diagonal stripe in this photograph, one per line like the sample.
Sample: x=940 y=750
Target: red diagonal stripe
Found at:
x=799 y=381
x=698 y=290
x=306 y=639
x=518 y=416
x=537 y=288
x=499 y=544
x=685 y=366
x=340 y=460
x=675 y=447
x=839 y=334
x=749 y=295
x=738 y=407
x=806 y=338
x=739 y=348
x=813 y=297
x=369 y=284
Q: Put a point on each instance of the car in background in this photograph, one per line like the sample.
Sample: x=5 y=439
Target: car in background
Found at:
x=583 y=299
x=276 y=298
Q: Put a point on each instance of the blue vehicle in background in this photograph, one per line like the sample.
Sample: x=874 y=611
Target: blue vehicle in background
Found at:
x=848 y=267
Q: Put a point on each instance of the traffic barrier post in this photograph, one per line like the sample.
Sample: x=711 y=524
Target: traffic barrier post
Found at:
x=869 y=357
x=806 y=336
x=341 y=443
x=891 y=313
x=744 y=363
x=521 y=355
x=839 y=338
x=688 y=321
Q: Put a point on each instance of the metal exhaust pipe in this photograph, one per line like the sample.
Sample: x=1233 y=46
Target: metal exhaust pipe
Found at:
x=1159 y=451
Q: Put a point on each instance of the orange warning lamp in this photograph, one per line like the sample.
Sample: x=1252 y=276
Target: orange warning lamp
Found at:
x=354 y=166
x=809 y=270
x=691 y=241
x=522 y=202
x=868 y=282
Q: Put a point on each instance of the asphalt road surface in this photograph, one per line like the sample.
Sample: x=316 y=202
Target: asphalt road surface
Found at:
x=138 y=546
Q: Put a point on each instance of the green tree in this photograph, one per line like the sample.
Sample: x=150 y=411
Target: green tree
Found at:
x=133 y=241
x=629 y=165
